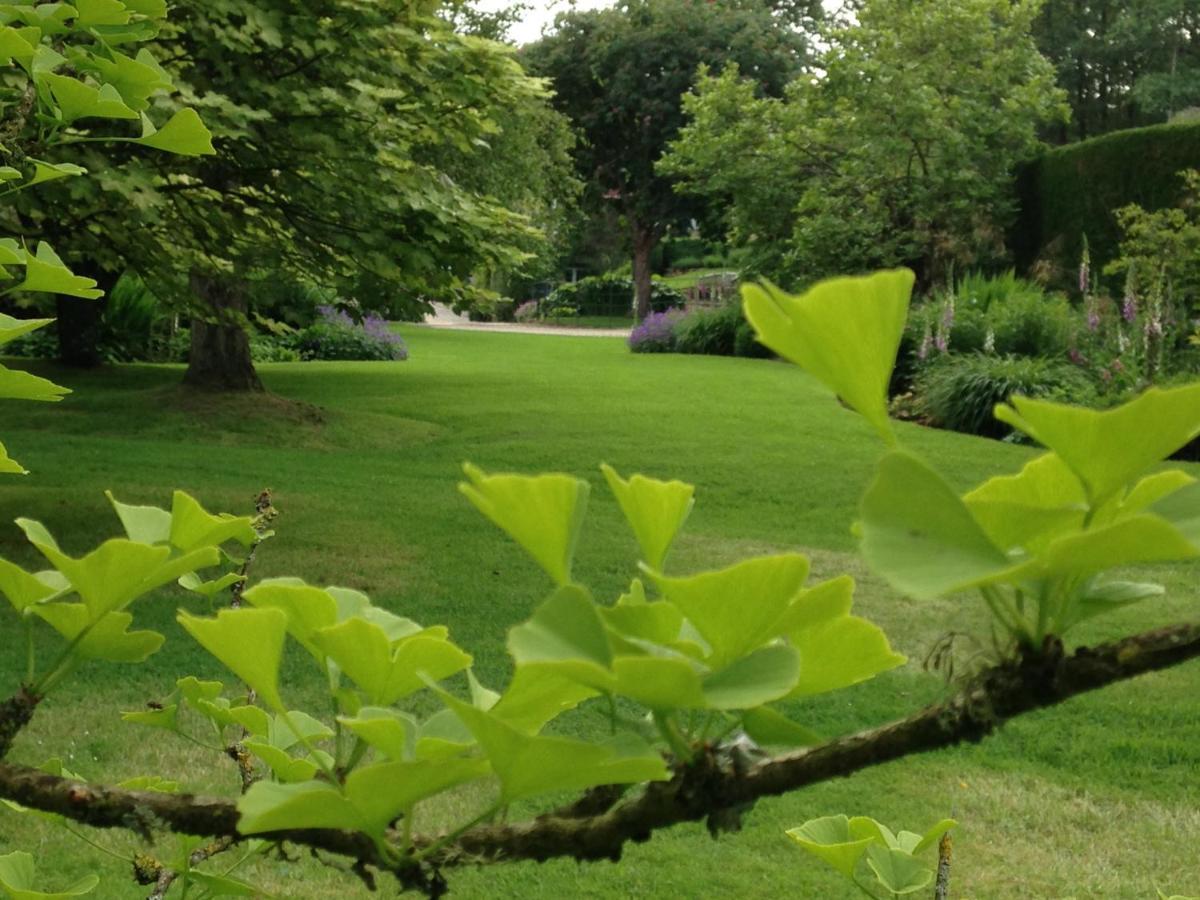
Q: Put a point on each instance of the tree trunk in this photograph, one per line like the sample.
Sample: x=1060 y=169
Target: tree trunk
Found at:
x=219 y=359
x=79 y=321
x=644 y=240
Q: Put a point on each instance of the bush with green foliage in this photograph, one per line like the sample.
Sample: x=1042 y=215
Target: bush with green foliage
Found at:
x=339 y=336
x=959 y=391
x=712 y=332
x=1072 y=191
x=607 y=295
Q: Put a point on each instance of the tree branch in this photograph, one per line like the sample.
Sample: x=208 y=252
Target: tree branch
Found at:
x=1033 y=681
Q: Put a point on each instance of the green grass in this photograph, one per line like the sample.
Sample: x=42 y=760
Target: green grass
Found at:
x=1097 y=798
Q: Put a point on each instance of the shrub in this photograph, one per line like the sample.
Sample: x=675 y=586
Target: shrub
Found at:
x=713 y=260
x=1032 y=324
x=1073 y=190
x=746 y=344
x=709 y=331
x=688 y=262
x=960 y=391
x=656 y=334
x=269 y=348
x=338 y=336
x=40 y=344
x=608 y=295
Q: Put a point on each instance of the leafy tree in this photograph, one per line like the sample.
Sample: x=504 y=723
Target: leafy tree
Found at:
x=332 y=121
x=620 y=74
x=900 y=152
x=1121 y=63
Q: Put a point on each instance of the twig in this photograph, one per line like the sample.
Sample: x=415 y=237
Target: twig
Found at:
x=941 y=890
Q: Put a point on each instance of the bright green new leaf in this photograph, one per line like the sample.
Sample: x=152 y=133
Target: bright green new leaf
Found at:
x=43 y=172
x=16 y=384
x=528 y=765
x=1109 y=449
x=11 y=328
x=766 y=674
x=285 y=767
x=919 y=535
x=101 y=12
x=830 y=839
x=45 y=272
x=144 y=524
x=383 y=670
x=661 y=682
x=223 y=885
x=535 y=697
x=77 y=100
x=193 y=527
x=391 y=732
x=771 y=728
x=820 y=603
x=23 y=589
x=166 y=718
x=154 y=783
x=1025 y=510
x=898 y=871
x=1182 y=509
x=14 y=46
x=8 y=465
x=656 y=510
x=735 y=608
x=249 y=642
x=1138 y=539
x=308 y=608
x=1154 y=488
x=109 y=637
x=840 y=652
x=542 y=513
x=566 y=635
x=184 y=135
x=135 y=79
x=843 y=331
x=117 y=572
x=270 y=806
x=18 y=875
x=197 y=585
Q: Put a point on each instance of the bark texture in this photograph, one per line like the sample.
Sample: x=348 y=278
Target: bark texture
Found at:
x=219 y=359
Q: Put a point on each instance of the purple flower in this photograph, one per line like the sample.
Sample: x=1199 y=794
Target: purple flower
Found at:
x=1129 y=308
x=656 y=333
x=1085 y=270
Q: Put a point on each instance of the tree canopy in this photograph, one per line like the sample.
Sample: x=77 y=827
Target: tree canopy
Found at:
x=899 y=151
x=620 y=75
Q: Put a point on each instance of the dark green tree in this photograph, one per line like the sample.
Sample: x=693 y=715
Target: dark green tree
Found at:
x=620 y=75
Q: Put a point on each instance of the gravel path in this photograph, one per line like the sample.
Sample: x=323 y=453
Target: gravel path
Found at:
x=444 y=317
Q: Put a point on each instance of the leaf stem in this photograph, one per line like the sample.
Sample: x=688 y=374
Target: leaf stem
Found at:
x=670 y=733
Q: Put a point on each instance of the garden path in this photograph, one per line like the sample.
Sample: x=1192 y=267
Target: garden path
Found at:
x=444 y=317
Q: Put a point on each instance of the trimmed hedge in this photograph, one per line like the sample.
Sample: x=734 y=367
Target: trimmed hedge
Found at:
x=1072 y=190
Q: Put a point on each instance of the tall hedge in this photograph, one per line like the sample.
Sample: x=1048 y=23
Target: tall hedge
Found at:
x=1072 y=190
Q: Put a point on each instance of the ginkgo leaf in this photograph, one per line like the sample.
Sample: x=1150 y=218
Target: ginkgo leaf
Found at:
x=542 y=513
x=919 y=535
x=192 y=526
x=841 y=652
x=18 y=875
x=655 y=510
x=830 y=839
x=11 y=328
x=391 y=732
x=45 y=272
x=108 y=638
x=16 y=384
x=735 y=608
x=144 y=524
x=1108 y=449
x=24 y=589
x=249 y=642
x=184 y=135
x=898 y=871
x=307 y=608
x=77 y=100
x=528 y=765
x=843 y=331
x=567 y=636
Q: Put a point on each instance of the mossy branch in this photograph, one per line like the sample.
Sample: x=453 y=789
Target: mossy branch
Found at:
x=697 y=790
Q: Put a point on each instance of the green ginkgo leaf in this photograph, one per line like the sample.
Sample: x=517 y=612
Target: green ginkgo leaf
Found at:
x=841 y=652
x=144 y=524
x=100 y=12
x=919 y=535
x=108 y=637
x=18 y=875
x=662 y=682
x=24 y=589
x=193 y=527
x=249 y=642
x=771 y=728
x=16 y=384
x=45 y=272
x=844 y=331
x=43 y=172
x=1109 y=449
x=8 y=465
x=897 y=870
x=535 y=697
x=831 y=840
x=766 y=674
x=735 y=609
x=542 y=513
x=283 y=766
x=223 y=885
x=1028 y=509
x=565 y=635
x=197 y=585
x=77 y=100
x=391 y=732
x=185 y=134
x=308 y=608
x=655 y=510
x=11 y=328
x=1182 y=509
x=1143 y=538
x=528 y=765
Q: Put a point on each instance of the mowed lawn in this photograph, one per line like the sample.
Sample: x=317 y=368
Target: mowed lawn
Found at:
x=1097 y=798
